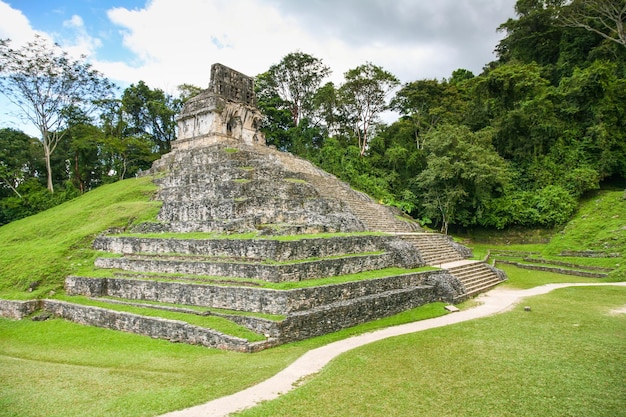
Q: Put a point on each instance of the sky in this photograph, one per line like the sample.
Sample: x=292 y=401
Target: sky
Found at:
x=166 y=43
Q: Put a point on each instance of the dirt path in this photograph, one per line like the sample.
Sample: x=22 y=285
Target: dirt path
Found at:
x=493 y=302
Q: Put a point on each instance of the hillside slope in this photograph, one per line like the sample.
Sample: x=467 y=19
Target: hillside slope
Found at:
x=48 y=246
x=598 y=225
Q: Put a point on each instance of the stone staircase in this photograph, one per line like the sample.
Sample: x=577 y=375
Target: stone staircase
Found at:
x=476 y=276
x=441 y=251
x=436 y=249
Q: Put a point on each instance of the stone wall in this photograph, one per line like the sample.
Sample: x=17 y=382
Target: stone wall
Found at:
x=277 y=250
x=350 y=313
x=312 y=311
x=14 y=309
x=258 y=300
x=298 y=326
x=290 y=272
x=232 y=298
x=172 y=330
x=553 y=269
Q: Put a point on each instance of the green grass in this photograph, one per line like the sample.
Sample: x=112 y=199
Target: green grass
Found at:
x=519 y=278
x=564 y=358
x=599 y=224
x=57 y=368
x=50 y=245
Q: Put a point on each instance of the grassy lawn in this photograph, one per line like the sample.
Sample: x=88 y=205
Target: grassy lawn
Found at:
x=57 y=368
x=567 y=357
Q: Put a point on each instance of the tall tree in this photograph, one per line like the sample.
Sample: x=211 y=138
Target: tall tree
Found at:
x=151 y=112
x=534 y=36
x=42 y=80
x=16 y=158
x=428 y=103
x=277 y=118
x=295 y=79
x=606 y=18
x=364 y=96
x=463 y=172
x=123 y=154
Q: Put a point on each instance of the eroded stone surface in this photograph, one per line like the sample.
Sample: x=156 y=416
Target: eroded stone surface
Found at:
x=227 y=109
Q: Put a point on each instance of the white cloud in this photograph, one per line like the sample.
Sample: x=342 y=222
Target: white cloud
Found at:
x=178 y=45
x=15 y=26
x=80 y=42
x=413 y=40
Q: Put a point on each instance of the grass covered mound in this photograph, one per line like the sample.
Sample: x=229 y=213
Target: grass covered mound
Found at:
x=50 y=245
x=594 y=237
x=599 y=225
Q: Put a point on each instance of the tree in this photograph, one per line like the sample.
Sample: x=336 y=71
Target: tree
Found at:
x=606 y=18
x=364 y=96
x=277 y=119
x=151 y=113
x=594 y=104
x=187 y=91
x=16 y=156
x=463 y=172
x=122 y=153
x=534 y=36
x=428 y=103
x=42 y=80
x=295 y=79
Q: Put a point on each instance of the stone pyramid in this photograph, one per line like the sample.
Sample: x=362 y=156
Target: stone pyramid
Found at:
x=221 y=178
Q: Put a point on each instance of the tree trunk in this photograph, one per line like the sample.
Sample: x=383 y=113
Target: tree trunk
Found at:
x=46 y=153
x=7 y=182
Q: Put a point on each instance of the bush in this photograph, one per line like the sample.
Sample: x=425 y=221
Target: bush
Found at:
x=548 y=207
x=35 y=198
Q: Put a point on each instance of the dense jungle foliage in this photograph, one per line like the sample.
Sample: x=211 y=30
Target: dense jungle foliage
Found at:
x=515 y=146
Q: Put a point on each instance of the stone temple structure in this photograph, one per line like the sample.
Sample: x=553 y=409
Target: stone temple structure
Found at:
x=227 y=109
x=221 y=180
x=221 y=176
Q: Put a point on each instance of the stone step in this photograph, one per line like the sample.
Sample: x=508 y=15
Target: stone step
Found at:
x=476 y=277
x=470 y=270
x=362 y=205
x=434 y=248
x=236 y=297
x=439 y=258
x=273 y=249
x=478 y=281
x=295 y=271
